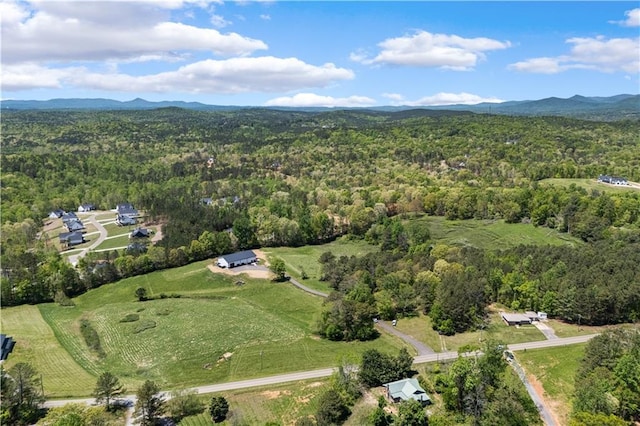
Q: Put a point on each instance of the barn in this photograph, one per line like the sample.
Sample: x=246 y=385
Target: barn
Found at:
x=236 y=259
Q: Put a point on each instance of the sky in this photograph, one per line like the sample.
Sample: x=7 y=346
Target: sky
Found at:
x=318 y=53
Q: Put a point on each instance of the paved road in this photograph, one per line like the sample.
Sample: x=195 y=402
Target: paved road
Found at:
x=421 y=348
x=326 y=372
x=307 y=289
x=545 y=411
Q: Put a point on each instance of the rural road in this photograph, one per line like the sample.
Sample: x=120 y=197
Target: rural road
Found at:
x=420 y=347
x=543 y=409
x=326 y=372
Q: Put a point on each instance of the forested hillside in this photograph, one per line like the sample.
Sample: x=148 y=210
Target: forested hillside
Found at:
x=292 y=178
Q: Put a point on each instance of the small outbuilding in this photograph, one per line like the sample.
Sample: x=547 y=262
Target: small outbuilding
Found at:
x=236 y=259
x=406 y=389
x=515 y=319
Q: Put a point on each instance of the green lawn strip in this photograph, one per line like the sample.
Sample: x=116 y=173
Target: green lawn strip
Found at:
x=555 y=368
x=307 y=258
x=281 y=404
x=420 y=328
x=112 y=243
x=106 y=215
x=266 y=326
x=115 y=229
x=37 y=344
x=588 y=184
x=564 y=329
x=492 y=235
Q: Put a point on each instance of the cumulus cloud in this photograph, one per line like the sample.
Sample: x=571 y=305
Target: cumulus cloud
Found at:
x=598 y=54
x=218 y=21
x=632 y=19
x=265 y=17
x=94 y=31
x=424 y=49
x=235 y=75
x=313 y=100
x=443 y=98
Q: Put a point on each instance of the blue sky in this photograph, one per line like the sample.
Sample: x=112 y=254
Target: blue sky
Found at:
x=328 y=53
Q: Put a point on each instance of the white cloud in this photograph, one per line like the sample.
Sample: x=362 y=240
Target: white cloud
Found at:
x=94 y=31
x=633 y=19
x=396 y=97
x=236 y=75
x=599 y=54
x=218 y=21
x=265 y=17
x=313 y=100
x=443 y=98
x=424 y=49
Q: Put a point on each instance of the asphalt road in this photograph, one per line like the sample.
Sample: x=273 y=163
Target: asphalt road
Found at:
x=543 y=409
x=420 y=347
x=73 y=259
x=326 y=372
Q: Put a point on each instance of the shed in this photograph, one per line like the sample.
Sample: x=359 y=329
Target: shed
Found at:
x=6 y=346
x=405 y=389
x=542 y=315
x=236 y=259
x=531 y=315
x=515 y=319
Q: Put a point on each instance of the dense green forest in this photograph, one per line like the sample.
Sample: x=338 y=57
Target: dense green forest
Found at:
x=291 y=178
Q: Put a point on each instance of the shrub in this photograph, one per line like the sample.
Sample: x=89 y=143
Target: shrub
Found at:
x=91 y=337
x=144 y=325
x=130 y=318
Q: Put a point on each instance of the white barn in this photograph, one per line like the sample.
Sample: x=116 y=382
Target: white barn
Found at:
x=236 y=259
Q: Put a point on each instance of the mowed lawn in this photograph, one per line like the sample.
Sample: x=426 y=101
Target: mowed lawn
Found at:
x=36 y=344
x=420 y=328
x=306 y=258
x=555 y=369
x=266 y=327
x=493 y=234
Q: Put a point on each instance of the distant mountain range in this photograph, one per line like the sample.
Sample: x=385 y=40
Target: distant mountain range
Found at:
x=596 y=108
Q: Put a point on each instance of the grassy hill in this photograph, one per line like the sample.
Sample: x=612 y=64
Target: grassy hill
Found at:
x=266 y=327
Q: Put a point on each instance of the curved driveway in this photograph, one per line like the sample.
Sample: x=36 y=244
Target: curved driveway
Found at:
x=73 y=259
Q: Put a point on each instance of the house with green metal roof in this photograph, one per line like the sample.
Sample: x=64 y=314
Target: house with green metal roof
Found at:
x=405 y=389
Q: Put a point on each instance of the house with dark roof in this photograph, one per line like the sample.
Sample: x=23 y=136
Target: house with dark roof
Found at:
x=71 y=238
x=6 y=346
x=56 y=214
x=236 y=259
x=139 y=233
x=87 y=207
x=207 y=201
x=613 y=180
x=406 y=389
x=125 y=220
x=126 y=209
x=515 y=319
x=74 y=225
x=69 y=216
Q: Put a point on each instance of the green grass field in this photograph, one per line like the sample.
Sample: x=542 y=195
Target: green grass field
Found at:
x=36 y=344
x=267 y=327
x=307 y=258
x=281 y=404
x=112 y=243
x=492 y=235
x=420 y=328
x=555 y=369
x=588 y=184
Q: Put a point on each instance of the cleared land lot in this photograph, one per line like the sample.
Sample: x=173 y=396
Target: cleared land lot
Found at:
x=266 y=327
x=590 y=184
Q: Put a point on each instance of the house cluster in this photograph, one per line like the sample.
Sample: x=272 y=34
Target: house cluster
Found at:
x=613 y=180
x=74 y=226
x=523 y=319
x=126 y=214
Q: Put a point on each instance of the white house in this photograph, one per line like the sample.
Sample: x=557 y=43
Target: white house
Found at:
x=236 y=259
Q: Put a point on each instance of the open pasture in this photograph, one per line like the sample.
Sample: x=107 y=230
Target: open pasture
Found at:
x=589 y=185
x=264 y=328
x=493 y=234
x=299 y=258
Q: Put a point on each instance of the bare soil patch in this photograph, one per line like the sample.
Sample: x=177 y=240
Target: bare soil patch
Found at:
x=556 y=408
